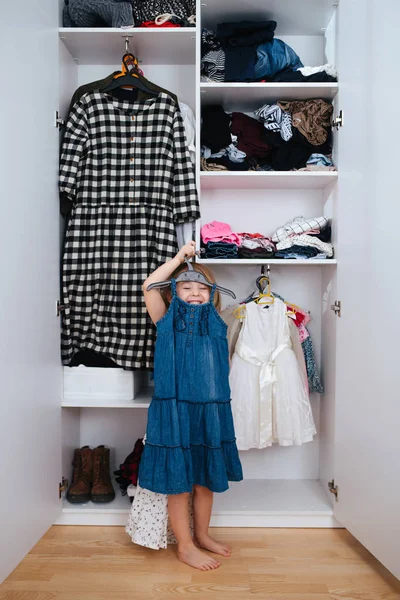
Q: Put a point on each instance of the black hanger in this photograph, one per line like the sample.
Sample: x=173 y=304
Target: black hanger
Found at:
x=132 y=78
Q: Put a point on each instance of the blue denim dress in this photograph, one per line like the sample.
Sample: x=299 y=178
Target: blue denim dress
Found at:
x=190 y=436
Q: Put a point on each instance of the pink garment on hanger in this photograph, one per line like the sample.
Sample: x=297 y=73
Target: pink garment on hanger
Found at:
x=217 y=231
x=303 y=332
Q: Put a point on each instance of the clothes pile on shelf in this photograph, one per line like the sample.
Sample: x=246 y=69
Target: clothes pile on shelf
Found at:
x=91 y=478
x=304 y=238
x=248 y=51
x=219 y=241
x=273 y=371
x=284 y=136
x=300 y=239
x=180 y=13
x=126 y=213
x=135 y=13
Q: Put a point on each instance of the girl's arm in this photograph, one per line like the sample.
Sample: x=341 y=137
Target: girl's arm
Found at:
x=154 y=303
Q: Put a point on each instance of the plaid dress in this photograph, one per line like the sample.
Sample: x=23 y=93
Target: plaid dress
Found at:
x=126 y=167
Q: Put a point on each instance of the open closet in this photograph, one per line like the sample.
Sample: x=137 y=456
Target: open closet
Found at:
x=348 y=475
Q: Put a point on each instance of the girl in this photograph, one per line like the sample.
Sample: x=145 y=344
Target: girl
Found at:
x=190 y=440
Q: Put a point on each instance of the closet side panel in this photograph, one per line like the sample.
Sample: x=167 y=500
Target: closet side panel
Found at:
x=368 y=407
x=30 y=407
x=328 y=352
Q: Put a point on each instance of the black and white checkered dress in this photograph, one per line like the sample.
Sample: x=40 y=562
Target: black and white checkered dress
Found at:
x=127 y=168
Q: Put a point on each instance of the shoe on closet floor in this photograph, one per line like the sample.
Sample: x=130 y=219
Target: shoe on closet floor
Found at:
x=102 y=487
x=79 y=490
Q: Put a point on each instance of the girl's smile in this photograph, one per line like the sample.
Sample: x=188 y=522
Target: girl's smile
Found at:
x=193 y=292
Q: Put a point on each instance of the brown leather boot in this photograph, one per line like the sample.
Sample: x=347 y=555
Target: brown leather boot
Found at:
x=79 y=490
x=102 y=488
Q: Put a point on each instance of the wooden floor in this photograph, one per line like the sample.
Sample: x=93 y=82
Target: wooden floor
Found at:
x=101 y=563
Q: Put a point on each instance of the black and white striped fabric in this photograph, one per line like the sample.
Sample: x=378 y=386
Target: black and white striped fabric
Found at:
x=127 y=168
x=276 y=119
x=212 y=57
x=213 y=65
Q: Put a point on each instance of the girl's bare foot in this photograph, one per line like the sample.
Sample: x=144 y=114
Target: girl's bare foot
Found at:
x=196 y=558
x=208 y=543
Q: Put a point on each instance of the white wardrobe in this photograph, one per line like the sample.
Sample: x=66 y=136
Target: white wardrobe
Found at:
x=358 y=417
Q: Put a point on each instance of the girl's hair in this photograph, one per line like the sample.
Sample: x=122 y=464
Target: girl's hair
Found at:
x=166 y=294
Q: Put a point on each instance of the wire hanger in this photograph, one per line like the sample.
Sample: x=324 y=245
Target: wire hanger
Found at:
x=132 y=77
x=191 y=275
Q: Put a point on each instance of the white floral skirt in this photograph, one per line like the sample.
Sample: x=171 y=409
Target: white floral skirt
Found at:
x=148 y=523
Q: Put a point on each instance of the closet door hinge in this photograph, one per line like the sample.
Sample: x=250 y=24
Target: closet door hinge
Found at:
x=58 y=122
x=333 y=489
x=59 y=308
x=338 y=120
x=63 y=486
x=337 y=307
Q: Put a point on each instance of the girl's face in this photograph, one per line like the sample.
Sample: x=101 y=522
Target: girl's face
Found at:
x=193 y=292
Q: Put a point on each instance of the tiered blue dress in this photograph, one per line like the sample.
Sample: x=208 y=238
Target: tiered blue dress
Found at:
x=190 y=436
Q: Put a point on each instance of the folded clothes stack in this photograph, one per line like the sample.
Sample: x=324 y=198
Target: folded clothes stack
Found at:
x=248 y=51
x=284 y=136
x=304 y=238
x=300 y=239
x=255 y=245
x=219 y=241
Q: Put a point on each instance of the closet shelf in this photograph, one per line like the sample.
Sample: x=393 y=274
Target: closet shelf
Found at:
x=269 y=261
x=142 y=400
x=311 y=19
x=251 y=503
x=256 y=180
x=105 y=45
x=247 y=97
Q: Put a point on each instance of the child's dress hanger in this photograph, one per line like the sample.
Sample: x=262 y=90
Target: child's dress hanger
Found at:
x=192 y=275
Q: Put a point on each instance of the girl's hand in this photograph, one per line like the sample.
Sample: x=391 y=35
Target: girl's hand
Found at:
x=187 y=250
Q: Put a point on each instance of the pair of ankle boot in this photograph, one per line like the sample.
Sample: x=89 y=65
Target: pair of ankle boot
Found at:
x=91 y=478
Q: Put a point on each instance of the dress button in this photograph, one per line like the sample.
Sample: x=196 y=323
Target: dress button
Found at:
x=132 y=159
x=133 y=118
x=132 y=139
x=130 y=199
x=131 y=179
x=190 y=332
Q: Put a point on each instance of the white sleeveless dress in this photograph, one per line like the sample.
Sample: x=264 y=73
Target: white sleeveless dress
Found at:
x=270 y=401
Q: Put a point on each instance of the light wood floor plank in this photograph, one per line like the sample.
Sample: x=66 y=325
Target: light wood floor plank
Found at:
x=101 y=563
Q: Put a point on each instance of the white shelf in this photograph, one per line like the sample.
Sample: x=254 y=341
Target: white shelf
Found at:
x=250 y=503
x=311 y=262
x=96 y=513
x=258 y=180
x=142 y=400
x=105 y=45
x=247 y=97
